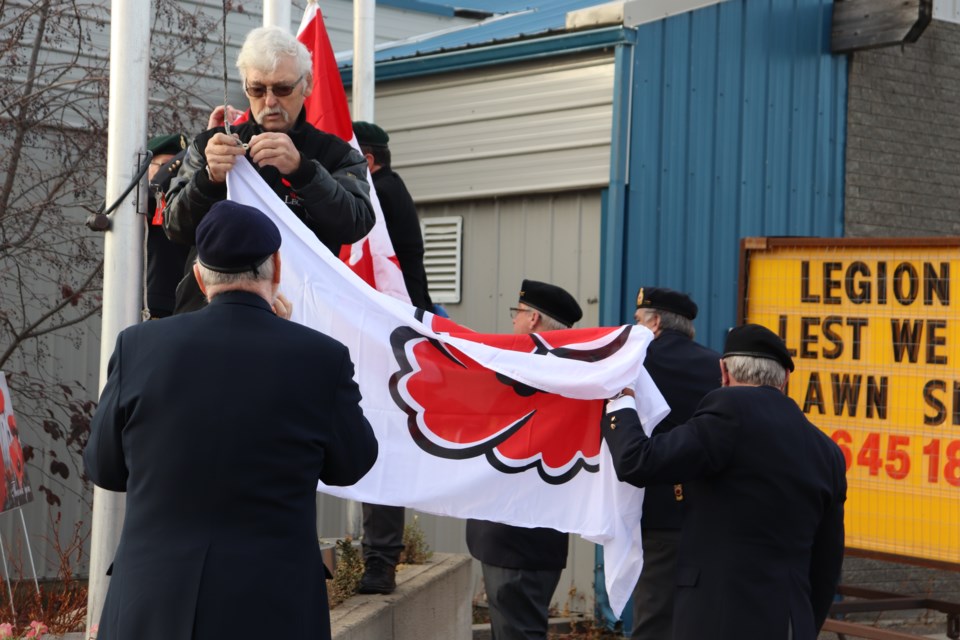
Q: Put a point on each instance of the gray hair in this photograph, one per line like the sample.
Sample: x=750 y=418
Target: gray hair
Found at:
x=759 y=371
x=550 y=324
x=265 y=46
x=671 y=320
x=213 y=278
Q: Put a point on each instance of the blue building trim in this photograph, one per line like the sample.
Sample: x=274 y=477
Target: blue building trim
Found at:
x=615 y=205
x=516 y=51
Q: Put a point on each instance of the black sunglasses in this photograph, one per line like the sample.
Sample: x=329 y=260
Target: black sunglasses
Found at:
x=278 y=90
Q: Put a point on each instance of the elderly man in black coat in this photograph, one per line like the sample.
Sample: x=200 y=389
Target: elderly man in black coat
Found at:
x=762 y=541
x=321 y=178
x=221 y=469
x=684 y=371
x=522 y=566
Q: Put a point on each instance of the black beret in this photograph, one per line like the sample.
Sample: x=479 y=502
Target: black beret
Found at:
x=551 y=300
x=758 y=342
x=233 y=238
x=171 y=144
x=667 y=300
x=370 y=135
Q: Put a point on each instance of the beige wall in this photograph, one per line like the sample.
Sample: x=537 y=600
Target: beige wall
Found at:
x=508 y=130
x=552 y=237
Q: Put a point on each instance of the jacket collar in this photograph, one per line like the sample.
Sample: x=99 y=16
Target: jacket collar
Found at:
x=240 y=297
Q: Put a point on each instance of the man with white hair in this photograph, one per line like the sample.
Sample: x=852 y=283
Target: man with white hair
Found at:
x=321 y=178
x=761 y=546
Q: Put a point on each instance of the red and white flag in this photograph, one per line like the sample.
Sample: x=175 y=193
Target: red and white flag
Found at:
x=373 y=257
x=496 y=427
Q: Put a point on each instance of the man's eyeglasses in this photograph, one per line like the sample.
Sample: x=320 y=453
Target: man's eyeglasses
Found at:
x=516 y=310
x=278 y=90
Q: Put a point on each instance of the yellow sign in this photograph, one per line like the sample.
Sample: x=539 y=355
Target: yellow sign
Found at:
x=874 y=329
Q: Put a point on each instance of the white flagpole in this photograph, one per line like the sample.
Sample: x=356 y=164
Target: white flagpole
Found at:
x=363 y=63
x=361 y=109
x=276 y=13
x=123 y=245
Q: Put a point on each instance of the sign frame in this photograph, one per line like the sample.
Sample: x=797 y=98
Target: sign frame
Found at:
x=751 y=248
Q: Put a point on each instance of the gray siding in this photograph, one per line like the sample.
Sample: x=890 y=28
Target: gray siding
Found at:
x=548 y=237
x=903 y=131
x=511 y=129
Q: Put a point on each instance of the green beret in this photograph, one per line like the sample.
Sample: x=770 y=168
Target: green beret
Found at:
x=370 y=135
x=170 y=144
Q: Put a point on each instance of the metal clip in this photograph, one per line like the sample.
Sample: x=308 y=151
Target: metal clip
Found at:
x=226 y=127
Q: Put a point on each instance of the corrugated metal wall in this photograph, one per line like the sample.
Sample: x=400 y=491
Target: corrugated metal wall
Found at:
x=510 y=129
x=948 y=10
x=737 y=129
x=548 y=237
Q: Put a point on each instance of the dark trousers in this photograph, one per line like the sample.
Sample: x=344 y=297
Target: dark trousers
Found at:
x=382 y=533
x=519 y=601
x=653 y=595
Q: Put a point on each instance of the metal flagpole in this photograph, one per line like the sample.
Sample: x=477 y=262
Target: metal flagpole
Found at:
x=361 y=109
x=276 y=13
x=363 y=63
x=123 y=246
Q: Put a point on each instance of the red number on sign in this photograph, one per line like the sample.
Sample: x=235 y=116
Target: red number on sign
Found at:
x=951 y=472
x=932 y=451
x=869 y=455
x=843 y=439
x=898 y=465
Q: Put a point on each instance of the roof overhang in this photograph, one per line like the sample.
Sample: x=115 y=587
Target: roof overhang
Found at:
x=632 y=13
x=515 y=51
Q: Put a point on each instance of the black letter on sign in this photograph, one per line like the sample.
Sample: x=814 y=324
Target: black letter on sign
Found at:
x=912 y=283
x=858 y=290
x=814 y=395
x=934 y=402
x=805 y=284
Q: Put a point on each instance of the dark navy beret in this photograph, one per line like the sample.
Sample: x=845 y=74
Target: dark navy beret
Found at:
x=666 y=300
x=370 y=135
x=170 y=144
x=234 y=237
x=758 y=342
x=551 y=300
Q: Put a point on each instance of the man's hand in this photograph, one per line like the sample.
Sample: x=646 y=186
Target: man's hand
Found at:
x=283 y=307
x=276 y=150
x=222 y=152
x=216 y=116
x=627 y=391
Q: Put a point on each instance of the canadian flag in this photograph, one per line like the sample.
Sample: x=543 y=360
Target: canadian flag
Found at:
x=373 y=257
